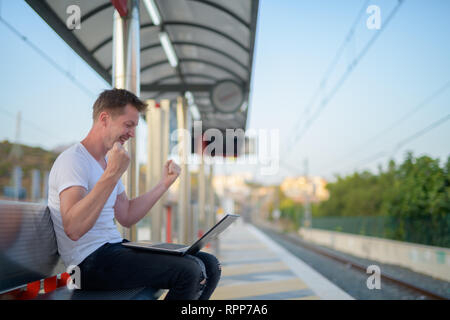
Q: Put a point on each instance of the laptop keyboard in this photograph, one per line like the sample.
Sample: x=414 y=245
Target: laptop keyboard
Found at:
x=171 y=246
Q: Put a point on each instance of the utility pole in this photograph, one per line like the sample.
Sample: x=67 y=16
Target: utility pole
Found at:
x=16 y=151
x=307 y=219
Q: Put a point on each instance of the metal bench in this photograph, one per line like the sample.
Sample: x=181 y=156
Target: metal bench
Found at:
x=29 y=260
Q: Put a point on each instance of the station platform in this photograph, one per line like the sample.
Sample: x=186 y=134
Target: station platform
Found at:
x=256 y=268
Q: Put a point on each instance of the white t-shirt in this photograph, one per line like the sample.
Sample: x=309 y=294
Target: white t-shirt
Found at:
x=77 y=167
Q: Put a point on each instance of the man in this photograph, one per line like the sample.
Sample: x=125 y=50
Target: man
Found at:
x=86 y=193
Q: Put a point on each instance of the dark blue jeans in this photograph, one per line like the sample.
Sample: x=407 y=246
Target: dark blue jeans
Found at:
x=113 y=266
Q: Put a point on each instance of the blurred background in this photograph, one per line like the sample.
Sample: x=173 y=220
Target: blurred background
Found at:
x=357 y=100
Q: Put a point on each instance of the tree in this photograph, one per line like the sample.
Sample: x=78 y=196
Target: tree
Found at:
x=413 y=198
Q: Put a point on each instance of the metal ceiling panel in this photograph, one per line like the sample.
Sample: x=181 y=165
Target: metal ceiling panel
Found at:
x=213 y=40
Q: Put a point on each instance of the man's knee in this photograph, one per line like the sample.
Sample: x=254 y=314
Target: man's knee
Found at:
x=192 y=272
x=217 y=264
x=193 y=276
x=212 y=264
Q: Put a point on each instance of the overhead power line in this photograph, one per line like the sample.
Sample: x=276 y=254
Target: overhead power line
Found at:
x=46 y=57
x=421 y=132
x=351 y=67
x=403 y=142
x=396 y=123
x=331 y=67
x=30 y=124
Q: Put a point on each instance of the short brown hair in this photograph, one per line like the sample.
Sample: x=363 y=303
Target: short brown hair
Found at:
x=115 y=100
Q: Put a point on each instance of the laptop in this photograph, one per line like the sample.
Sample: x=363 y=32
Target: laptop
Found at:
x=181 y=249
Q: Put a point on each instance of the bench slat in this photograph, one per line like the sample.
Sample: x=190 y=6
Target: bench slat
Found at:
x=29 y=252
x=125 y=294
x=28 y=249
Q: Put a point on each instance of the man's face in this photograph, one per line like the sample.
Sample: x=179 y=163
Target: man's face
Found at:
x=122 y=127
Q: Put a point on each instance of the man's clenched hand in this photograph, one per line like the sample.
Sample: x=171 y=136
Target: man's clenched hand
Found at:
x=118 y=160
x=171 y=171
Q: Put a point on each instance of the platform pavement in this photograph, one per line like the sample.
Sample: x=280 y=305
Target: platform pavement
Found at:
x=256 y=268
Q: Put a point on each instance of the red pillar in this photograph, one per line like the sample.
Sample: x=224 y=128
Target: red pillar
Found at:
x=121 y=7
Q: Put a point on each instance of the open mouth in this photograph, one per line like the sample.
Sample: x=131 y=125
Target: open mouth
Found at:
x=122 y=140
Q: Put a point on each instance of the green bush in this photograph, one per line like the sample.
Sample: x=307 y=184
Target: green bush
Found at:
x=409 y=202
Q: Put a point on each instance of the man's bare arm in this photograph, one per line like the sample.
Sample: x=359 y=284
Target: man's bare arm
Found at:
x=79 y=209
x=129 y=212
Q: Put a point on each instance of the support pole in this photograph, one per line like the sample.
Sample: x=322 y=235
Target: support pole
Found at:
x=165 y=140
x=154 y=164
x=201 y=187
x=307 y=219
x=126 y=68
x=45 y=186
x=184 y=200
x=158 y=146
x=35 y=185
x=211 y=216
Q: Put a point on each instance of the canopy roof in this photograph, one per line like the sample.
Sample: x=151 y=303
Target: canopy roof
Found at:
x=213 y=40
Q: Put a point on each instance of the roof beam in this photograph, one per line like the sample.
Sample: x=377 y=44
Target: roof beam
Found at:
x=172 y=76
x=177 y=87
x=223 y=9
x=204 y=46
x=158 y=63
x=95 y=11
x=192 y=43
x=200 y=26
x=213 y=64
x=179 y=23
x=254 y=18
x=155 y=64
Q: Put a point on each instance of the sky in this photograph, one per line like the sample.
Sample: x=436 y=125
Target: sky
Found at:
x=296 y=42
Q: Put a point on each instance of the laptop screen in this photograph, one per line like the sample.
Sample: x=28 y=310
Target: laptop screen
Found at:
x=212 y=233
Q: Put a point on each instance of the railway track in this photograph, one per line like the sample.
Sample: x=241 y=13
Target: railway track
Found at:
x=354 y=265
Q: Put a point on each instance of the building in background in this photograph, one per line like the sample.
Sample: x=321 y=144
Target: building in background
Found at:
x=299 y=188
